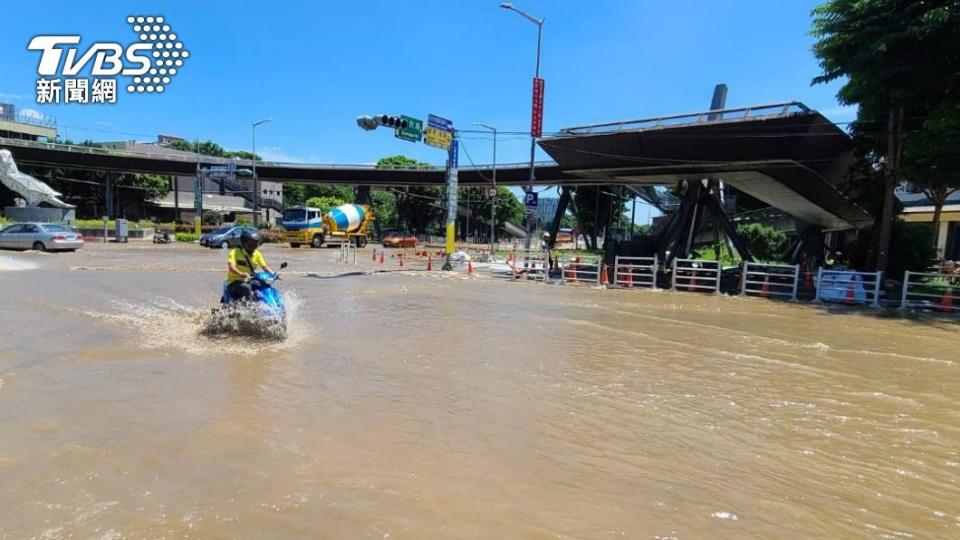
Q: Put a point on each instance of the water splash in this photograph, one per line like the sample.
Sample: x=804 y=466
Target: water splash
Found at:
x=163 y=323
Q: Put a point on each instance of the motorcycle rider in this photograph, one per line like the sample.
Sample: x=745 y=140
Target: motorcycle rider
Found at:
x=242 y=262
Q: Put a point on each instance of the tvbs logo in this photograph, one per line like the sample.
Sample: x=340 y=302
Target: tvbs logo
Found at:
x=150 y=63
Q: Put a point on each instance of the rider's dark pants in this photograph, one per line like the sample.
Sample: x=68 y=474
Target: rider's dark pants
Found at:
x=240 y=290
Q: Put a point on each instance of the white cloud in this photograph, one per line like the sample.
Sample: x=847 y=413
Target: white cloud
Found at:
x=4 y=95
x=276 y=154
x=33 y=113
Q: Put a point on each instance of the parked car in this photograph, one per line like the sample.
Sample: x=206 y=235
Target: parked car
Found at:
x=399 y=239
x=41 y=237
x=227 y=237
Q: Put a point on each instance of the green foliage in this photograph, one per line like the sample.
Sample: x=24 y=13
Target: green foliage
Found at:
x=766 y=243
x=98 y=224
x=508 y=208
x=911 y=248
x=594 y=208
x=297 y=194
x=186 y=237
x=325 y=203
x=3 y=220
x=417 y=208
x=212 y=218
x=384 y=209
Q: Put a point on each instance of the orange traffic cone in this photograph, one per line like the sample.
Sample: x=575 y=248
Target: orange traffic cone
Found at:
x=572 y=272
x=765 y=289
x=946 y=301
x=692 y=284
x=469 y=266
x=851 y=296
x=626 y=278
x=374 y=255
x=429 y=263
x=400 y=258
x=381 y=256
x=603 y=275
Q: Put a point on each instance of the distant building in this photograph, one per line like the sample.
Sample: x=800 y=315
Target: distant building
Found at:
x=29 y=127
x=218 y=196
x=917 y=208
x=547 y=208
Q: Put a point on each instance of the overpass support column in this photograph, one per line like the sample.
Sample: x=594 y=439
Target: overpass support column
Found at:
x=565 y=195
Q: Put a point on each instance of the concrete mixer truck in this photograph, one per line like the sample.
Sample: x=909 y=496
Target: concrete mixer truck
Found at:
x=308 y=225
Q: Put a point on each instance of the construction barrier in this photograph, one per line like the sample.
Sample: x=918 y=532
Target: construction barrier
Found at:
x=635 y=271
x=695 y=275
x=348 y=253
x=581 y=270
x=770 y=280
x=925 y=290
x=848 y=287
x=532 y=264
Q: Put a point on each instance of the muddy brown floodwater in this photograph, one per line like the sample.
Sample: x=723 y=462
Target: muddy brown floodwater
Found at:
x=414 y=405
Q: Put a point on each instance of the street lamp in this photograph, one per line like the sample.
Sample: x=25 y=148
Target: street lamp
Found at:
x=533 y=139
x=256 y=179
x=493 y=198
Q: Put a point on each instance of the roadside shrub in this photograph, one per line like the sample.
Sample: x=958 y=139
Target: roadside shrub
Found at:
x=765 y=243
x=186 y=237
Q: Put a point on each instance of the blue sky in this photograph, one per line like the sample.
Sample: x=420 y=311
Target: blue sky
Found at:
x=314 y=66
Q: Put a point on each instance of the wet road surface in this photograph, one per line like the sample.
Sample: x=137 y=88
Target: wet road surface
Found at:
x=415 y=405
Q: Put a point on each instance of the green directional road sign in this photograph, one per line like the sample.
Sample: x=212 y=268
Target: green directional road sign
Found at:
x=413 y=132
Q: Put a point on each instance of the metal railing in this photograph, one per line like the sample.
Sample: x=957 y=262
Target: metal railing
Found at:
x=930 y=290
x=21 y=117
x=348 y=253
x=635 y=271
x=695 y=275
x=205 y=159
x=532 y=264
x=581 y=269
x=770 y=280
x=848 y=287
x=753 y=112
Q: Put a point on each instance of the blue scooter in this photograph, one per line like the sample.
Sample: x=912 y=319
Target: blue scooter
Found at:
x=264 y=315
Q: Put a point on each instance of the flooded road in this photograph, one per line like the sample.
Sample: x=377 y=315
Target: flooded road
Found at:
x=414 y=405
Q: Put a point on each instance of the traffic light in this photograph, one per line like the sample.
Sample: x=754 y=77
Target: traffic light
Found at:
x=395 y=122
x=373 y=122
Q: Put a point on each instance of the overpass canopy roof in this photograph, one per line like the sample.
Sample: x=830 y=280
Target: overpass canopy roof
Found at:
x=785 y=154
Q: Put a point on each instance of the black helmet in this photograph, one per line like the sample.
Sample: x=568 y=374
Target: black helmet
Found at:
x=250 y=239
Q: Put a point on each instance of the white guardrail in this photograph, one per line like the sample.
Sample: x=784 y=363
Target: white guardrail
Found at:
x=581 y=269
x=848 y=287
x=635 y=271
x=531 y=264
x=695 y=275
x=925 y=290
x=348 y=253
x=770 y=280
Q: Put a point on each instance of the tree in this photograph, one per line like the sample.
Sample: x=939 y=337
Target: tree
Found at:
x=508 y=207
x=417 y=208
x=325 y=203
x=595 y=206
x=932 y=159
x=896 y=57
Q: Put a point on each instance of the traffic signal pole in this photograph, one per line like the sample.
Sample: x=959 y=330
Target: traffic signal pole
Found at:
x=452 y=183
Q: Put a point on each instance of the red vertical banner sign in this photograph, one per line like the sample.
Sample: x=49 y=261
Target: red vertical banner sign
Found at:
x=536 y=116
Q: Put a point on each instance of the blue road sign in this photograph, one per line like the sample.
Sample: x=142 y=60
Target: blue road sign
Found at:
x=530 y=200
x=439 y=123
x=454 y=153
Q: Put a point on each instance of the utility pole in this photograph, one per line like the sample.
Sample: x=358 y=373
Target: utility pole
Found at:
x=256 y=179
x=537 y=112
x=493 y=197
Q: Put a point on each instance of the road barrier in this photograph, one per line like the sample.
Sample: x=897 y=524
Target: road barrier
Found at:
x=695 y=275
x=635 y=271
x=926 y=290
x=532 y=264
x=848 y=287
x=581 y=269
x=348 y=253
x=770 y=280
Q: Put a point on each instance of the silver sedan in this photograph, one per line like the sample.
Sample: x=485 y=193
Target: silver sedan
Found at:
x=40 y=236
